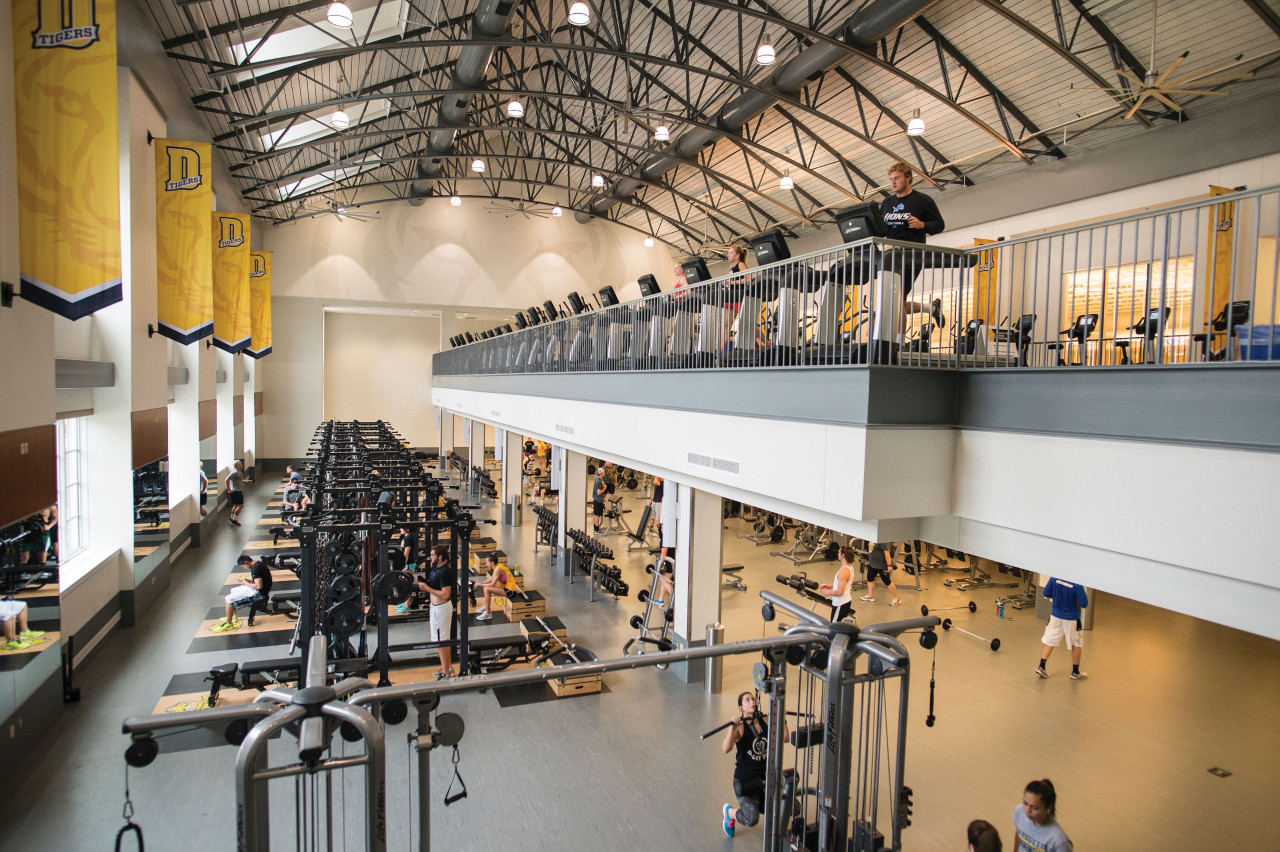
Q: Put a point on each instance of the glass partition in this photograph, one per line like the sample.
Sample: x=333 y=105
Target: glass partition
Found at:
x=209 y=466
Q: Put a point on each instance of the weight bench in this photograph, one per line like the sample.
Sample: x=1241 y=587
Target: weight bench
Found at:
x=733 y=576
x=273 y=606
x=267 y=673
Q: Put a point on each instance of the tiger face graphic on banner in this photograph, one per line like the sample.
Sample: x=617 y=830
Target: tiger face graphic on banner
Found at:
x=184 y=258
x=67 y=135
x=260 y=303
x=232 y=330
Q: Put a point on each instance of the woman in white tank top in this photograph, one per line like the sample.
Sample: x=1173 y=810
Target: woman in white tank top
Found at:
x=839 y=590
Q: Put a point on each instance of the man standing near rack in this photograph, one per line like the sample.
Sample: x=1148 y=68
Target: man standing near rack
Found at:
x=235 y=491
x=909 y=216
x=438 y=584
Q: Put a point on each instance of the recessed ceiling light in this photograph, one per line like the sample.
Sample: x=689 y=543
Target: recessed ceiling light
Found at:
x=579 y=14
x=339 y=14
x=455 y=201
x=340 y=119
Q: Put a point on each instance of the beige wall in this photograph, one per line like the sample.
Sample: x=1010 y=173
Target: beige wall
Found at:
x=378 y=367
x=441 y=255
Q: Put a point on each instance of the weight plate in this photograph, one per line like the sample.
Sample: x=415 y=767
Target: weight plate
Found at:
x=636 y=622
x=995 y=644
x=760 y=676
x=946 y=624
x=973 y=607
x=924 y=610
x=345 y=619
x=642 y=595
x=928 y=640
x=344 y=587
x=776 y=533
x=346 y=563
x=394 y=587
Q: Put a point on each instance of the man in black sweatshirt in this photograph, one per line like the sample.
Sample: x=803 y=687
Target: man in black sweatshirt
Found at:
x=909 y=216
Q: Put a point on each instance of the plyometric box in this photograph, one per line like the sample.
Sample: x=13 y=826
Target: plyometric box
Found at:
x=533 y=605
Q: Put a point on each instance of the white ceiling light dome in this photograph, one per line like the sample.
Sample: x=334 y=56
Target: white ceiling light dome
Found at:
x=339 y=14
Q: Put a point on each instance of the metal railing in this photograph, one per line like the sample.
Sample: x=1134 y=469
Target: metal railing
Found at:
x=834 y=773
x=1190 y=283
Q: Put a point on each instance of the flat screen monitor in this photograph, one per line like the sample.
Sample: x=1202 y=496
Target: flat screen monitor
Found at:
x=649 y=286
x=770 y=247
x=506 y=328
x=534 y=319
x=861 y=222
x=576 y=304
x=608 y=298
x=470 y=339
x=695 y=270
x=549 y=308
x=521 y=322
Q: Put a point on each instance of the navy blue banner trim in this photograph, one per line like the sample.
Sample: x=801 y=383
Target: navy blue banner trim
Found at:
x=189 y=337
x=233 y=348
x=258 y=353
x=72 y=310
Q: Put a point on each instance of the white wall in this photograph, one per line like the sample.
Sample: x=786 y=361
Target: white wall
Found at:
x=378 y=367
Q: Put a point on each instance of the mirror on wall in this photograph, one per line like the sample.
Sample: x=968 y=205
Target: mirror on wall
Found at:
x=237 y=448
x=29 y=583
x=150 y=516
x=209 y=465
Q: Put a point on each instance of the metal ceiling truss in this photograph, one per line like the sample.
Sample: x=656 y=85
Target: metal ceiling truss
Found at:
x=593 y=97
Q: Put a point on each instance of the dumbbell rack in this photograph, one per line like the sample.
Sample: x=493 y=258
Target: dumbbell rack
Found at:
x=588 y=552
x=659 y=635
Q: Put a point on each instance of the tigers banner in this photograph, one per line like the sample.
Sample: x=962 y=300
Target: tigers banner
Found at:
x=260 y=303
x=184 y=258
x=231 y=327
x=64 y=68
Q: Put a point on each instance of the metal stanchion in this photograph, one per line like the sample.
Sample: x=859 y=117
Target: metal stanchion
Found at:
x=715 y=671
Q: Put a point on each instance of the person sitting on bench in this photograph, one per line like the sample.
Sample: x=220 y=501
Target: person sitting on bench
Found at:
x=499 y=583
x=248 y=590
x=17 y=635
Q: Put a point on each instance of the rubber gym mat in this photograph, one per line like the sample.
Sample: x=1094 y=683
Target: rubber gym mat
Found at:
x=245 y=637
x=533 y=693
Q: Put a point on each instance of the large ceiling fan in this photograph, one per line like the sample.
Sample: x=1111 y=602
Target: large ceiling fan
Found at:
x=1163 y=86
x=527 y=209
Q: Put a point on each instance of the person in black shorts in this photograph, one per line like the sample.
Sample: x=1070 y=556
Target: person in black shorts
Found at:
x=879 y=563
x=749 y=734
x=247 y=591
x=235 y=491
x=909 y=216
x=602 y=486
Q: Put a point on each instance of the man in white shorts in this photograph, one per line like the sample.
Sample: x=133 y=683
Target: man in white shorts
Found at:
x=438 y=585
x=13 y=616
x=1064 y=623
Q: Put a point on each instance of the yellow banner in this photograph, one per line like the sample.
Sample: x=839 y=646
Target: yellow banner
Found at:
x=64 y=65
x=232 y=330
x=986 y=277
x=260 y=303
x=184 y=258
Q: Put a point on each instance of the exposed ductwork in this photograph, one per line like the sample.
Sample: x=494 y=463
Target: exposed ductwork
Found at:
x=861 y=31
x=491 y=20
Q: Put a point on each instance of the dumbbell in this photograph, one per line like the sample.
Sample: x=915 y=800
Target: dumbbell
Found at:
x=971 y=606
x=994 y=643
x=798 y=582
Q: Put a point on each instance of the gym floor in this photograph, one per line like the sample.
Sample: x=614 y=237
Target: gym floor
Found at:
x=1168 y=698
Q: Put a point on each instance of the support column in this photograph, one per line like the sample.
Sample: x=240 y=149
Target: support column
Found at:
x=571 y=470
x=475 y=446
x=510 y=444
x=699 y=531
x=446 y=438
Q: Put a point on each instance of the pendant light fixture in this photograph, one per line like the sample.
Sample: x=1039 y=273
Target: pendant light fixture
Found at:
x=455 y=201
x=648 y=242
x=477 y=166
x=340 y=119
x=765 y=54
x=662 y=133
x=515 y=109
x=579 y=14
x=557 y=212
x=597 y=181
x=915 y=127
x=339 y=14
x=786 y=182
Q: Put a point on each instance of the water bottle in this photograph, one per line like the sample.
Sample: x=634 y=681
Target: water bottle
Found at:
x=1000 y=609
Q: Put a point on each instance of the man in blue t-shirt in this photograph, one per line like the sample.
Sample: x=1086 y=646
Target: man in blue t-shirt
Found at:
x=1064 y=623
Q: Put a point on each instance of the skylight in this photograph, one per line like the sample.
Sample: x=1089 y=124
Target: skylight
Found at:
x=316 y=33
x=312 y=128
x=324 y=179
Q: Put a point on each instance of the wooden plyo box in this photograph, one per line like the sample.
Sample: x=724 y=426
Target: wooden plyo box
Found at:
x=478 y=556
x=532 y=606
x=575 y=685
x=556 y=626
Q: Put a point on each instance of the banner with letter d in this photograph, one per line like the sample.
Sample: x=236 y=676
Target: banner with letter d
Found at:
x=260 y=303
x=231 y=326
x=64 y=83
x=184 y=257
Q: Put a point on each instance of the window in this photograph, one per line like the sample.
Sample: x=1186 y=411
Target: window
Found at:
x=1122 y=295
x=72 y=530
